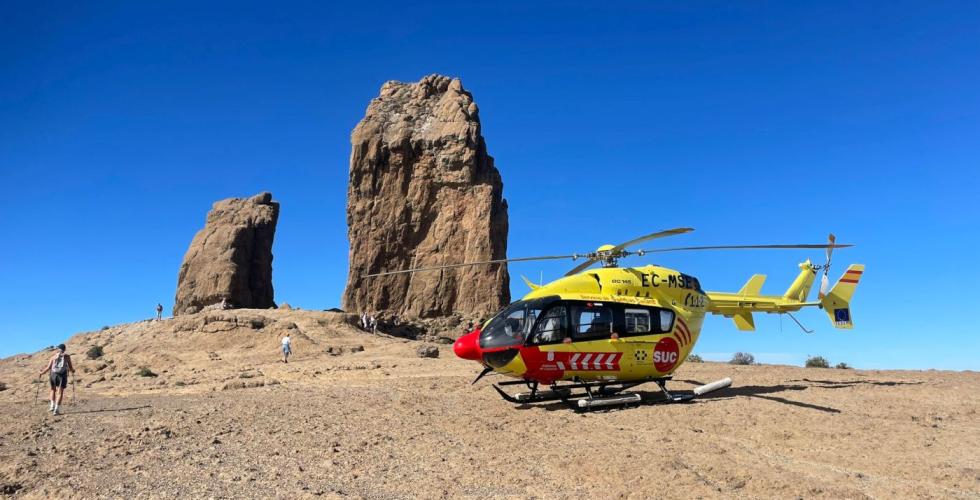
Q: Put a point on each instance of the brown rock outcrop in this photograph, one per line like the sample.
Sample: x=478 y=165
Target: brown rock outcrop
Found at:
x=229 y=262
x=424 y=192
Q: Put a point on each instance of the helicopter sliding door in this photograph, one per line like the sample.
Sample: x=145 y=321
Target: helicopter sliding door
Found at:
x=591 y=321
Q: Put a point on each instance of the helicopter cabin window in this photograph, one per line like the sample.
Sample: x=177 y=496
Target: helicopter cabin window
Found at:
x=637 y=321
x=591 y=321
x=553 y=326
x=645 y=320
x=666 y=320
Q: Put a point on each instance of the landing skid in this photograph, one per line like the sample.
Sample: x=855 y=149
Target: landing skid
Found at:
x=584 y=396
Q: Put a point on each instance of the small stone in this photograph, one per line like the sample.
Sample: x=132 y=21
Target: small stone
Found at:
x=427 y=351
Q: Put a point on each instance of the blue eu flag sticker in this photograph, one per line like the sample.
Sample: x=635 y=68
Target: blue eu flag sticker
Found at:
x=842 y=315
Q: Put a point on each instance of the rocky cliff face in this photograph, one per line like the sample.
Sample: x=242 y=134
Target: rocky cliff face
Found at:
x=230 y=260
x=424 y=192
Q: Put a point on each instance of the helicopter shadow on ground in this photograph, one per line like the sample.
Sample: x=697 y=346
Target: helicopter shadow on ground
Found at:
x=105 y=410
x=838 y=384
x=652 y=398
x=763 y=392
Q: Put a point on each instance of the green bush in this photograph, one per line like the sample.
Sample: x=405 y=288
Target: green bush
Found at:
x=146 y=372
x=694 y=358
x=843 y=366
x=817 y=362
x=742 y=358
x=94 y=352
x=105 y=327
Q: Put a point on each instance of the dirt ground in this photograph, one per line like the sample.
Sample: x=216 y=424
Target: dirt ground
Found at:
x=224 y=418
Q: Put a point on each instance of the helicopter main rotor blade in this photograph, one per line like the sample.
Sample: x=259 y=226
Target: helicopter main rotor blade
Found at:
x=581 y=267
x=740 y=247
x=619 y=248
x=466 y=264
x=652 y=236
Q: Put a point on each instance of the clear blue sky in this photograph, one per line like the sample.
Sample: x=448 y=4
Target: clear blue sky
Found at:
x=754 y=123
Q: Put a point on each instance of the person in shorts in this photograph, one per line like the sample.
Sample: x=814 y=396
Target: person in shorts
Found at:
x=57 y=369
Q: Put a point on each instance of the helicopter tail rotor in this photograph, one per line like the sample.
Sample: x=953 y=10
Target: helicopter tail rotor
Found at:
x=824 y=280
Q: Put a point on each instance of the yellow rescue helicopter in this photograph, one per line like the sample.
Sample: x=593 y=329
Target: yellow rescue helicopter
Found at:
x=595 y=333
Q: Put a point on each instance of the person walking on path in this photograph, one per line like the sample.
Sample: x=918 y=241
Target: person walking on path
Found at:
x=287 y=348
x=57 y=368
x=159 y=311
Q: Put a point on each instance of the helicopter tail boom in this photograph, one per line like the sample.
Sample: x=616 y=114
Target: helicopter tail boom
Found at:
x=740 y=306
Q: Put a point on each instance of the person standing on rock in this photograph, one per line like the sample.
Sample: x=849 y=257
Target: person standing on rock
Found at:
x=57 y=369
x=287 y=348
x=159 y=311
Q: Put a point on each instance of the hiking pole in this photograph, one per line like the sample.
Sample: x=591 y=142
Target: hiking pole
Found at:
x=37 y=389
x=73 y=388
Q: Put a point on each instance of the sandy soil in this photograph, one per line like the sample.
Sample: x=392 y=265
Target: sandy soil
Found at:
x=224 y=418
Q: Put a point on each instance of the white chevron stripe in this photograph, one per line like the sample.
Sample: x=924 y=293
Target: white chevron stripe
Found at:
x=572 y=362
x=597 y=362
x=585 y=361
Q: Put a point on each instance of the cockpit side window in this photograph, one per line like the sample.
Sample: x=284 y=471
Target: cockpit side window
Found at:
x=553 y=326
x=513 y=325
x=591 y=321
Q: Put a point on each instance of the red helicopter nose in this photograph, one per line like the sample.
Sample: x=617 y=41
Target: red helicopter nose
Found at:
x=468 y=346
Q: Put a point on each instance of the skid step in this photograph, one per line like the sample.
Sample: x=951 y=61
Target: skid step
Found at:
x=625 y=399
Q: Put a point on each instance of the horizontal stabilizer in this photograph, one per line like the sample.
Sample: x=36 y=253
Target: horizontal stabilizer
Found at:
x=753 y=286
x=743 y=320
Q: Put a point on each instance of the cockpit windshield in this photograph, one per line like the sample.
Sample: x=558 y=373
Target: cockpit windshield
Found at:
x=514 y=324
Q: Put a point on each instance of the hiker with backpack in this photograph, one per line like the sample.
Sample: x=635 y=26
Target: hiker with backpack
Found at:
x=57 y=368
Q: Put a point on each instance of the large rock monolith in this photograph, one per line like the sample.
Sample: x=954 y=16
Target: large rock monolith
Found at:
x=229 y=262
x=424 y=192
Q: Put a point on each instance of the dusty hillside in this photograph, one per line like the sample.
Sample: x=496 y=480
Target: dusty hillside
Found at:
x=224 y=418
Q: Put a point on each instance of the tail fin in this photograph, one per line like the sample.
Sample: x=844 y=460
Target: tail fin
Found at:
x=754 y=285
x=837 y=302
x=800 y=289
